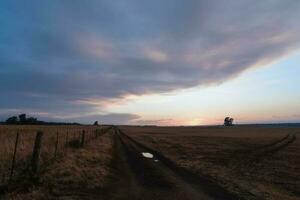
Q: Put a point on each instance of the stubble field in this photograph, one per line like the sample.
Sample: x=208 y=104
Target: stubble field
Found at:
x=255 y=162
x=246 y=162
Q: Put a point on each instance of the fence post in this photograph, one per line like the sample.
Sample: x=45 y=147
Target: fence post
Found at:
x=3 y=178
x=56 y=145
x=14 y=157
x=36 y=151
x=67 y=138
x=82 y=137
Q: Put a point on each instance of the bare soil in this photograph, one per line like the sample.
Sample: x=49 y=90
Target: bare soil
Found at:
x=137 y=177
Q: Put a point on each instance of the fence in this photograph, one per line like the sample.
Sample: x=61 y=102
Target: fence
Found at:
x=31 y=148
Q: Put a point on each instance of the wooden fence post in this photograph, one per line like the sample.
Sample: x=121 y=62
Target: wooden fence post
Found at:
x=82 y=138
x=36 y=151
x=3 y=178
x=14 y=157
x=67 y=138
x=56 y=145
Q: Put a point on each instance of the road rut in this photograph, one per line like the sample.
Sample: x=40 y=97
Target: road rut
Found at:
x=137 y=177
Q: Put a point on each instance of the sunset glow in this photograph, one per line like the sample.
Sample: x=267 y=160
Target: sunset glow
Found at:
x=151 y=62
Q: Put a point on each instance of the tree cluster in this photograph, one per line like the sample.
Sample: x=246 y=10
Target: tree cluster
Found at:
x=22 y=119
x=228 y=121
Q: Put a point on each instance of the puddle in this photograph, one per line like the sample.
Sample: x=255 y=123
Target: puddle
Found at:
x=147 y=155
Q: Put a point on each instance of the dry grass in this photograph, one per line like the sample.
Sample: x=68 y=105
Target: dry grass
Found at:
x=235 y=157
x=239 y=158
x=26 y=143
x=77 y=174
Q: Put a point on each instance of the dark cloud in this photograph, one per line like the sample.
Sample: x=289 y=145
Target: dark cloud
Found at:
x=54 y=53
x=111 y=118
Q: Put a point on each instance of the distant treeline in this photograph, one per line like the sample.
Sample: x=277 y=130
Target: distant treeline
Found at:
x=278 y=125
x=23 y=120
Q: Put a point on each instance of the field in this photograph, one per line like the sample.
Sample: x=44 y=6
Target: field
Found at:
x=251 y=161
x=239 y=162
x=58 y=144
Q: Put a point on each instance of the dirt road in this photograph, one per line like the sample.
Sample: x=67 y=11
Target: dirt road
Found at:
x=137 y=177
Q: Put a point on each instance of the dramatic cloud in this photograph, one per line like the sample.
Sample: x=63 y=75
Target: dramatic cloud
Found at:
x=110 y=118
x=54 y=53
x=118 y=119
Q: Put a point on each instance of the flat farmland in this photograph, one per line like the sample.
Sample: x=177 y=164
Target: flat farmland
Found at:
x=254 y=162
x=136 y=162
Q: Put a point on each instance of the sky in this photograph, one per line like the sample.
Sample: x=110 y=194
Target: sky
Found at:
x=171 y=62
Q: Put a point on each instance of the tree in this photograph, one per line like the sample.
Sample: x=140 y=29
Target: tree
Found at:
x=22 y=118
x=12 y=120
x=31 y=120
x=228 y=121
x=96 y=123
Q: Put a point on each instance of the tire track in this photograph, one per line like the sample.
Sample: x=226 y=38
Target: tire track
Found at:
x=277 y=145
x=271 y=148
x=137 y=177
x=249 y=159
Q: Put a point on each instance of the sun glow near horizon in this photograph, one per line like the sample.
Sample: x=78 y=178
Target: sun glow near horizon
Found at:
x=150 y=62
x=240 y=98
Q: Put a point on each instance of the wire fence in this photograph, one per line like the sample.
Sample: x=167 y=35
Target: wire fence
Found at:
x=32 y=148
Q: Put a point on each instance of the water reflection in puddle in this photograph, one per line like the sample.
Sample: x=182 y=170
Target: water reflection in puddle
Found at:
x=147 y=155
